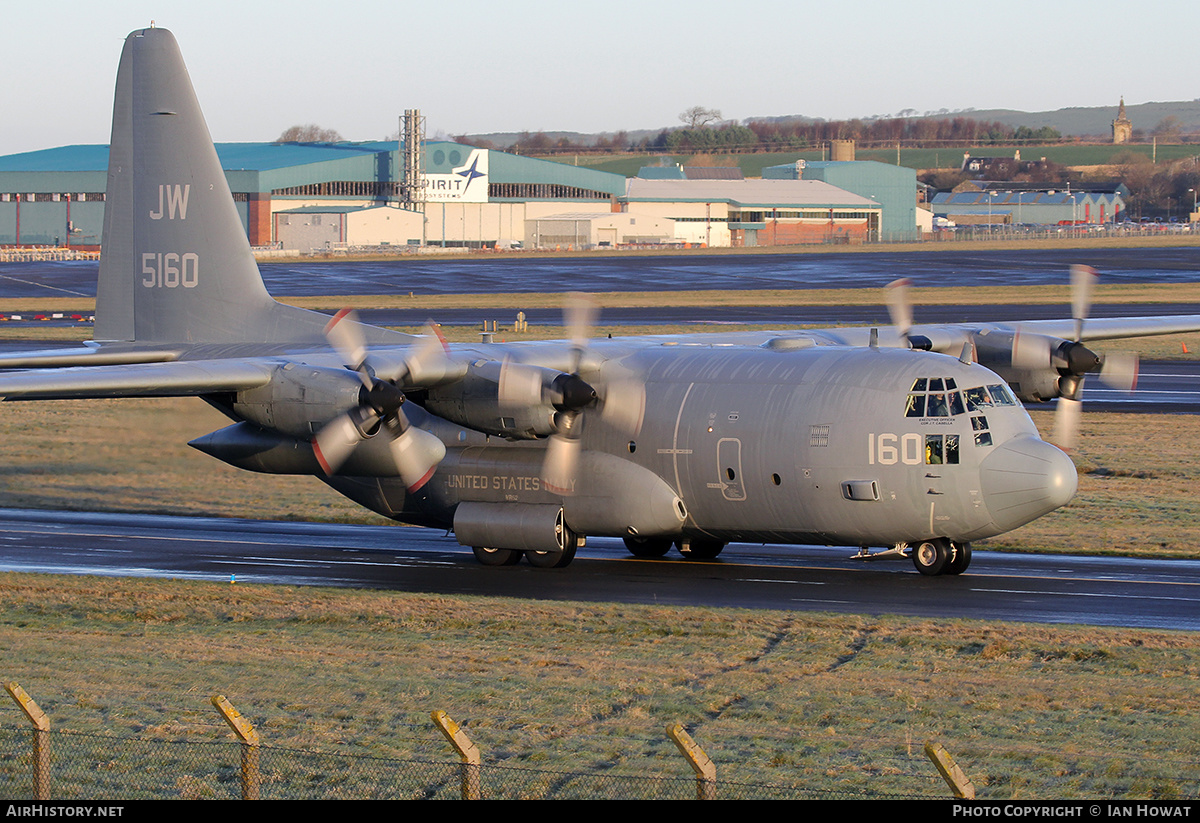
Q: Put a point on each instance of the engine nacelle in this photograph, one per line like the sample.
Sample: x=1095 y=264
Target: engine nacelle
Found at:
x=300 y=399
x=256 y=449
x=474 y=402
x=1031 y=384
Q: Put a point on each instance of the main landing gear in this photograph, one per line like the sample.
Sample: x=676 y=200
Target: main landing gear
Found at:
x=556 y=559
x=511 y=557
x=691 y=548
x=941 y=556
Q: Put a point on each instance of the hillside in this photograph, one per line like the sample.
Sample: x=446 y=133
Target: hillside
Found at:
x=1071 y=122
x=1098 y=120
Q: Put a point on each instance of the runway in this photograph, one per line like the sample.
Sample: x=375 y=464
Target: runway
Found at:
x=1154 y=594
x=531 y=272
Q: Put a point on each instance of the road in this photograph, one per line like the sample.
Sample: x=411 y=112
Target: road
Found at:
x=1158 y=594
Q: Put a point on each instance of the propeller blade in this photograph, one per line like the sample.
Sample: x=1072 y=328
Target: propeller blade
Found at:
x=1031 y=351
x=429 y=360
x=560 y=467
x=417 y=454
x=519 y=385
x=580 y=312
x=1066 y=422
x=1083 y=283
x=339 y=437
x=899 y=306
x=345 y=335
x=624 y=406
x=1120 y=371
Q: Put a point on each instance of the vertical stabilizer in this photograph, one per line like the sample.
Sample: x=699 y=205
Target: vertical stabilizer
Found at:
x=176 y=264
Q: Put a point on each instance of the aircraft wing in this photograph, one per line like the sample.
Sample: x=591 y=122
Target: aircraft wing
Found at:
x=1107 y=328
x=194 y=377
x=86 y=355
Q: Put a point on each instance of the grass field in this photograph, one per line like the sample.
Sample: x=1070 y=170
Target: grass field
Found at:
x=826 y=702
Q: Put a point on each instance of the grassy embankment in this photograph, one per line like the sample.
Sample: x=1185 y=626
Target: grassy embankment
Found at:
x=819 y=701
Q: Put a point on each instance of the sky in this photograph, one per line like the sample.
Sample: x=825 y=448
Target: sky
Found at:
x=476 y=67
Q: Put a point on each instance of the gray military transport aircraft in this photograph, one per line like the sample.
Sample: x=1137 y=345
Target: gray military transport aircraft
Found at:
x=905 y=441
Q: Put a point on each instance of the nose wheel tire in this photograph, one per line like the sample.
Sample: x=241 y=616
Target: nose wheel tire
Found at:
x=941 y=556
x=931 y=556
x=496 y=557
x=961 y=559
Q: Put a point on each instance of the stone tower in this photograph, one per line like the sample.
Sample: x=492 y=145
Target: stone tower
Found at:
x=1122 y=128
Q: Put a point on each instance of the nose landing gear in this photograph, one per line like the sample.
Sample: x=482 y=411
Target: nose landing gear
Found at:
x=941 y=556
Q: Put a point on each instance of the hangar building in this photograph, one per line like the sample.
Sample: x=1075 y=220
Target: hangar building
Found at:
x=1046 y=207
x=313 y=196
x=745 y=213
x=893 y=187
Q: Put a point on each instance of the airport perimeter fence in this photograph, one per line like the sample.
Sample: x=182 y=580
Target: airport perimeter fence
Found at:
x=95 y=767
x=42 y=765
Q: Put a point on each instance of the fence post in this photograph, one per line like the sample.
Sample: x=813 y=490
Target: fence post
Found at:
x=248 y=737
x=468 y=753
x=957 y=779
x=702 y=765
x=41 y=740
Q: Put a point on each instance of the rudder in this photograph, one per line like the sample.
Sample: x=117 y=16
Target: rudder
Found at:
x=176 y=264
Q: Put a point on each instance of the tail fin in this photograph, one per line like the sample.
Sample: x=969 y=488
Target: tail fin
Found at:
x=176 y=264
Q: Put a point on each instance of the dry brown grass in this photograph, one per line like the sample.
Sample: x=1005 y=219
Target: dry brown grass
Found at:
x=1138 y=475
x=132 y=455
x=929 y=296
x=819 y=701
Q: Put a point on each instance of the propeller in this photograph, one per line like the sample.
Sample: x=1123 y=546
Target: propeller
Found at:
x=620 y=399
x=416 y=453
x=899 y=307
x=1073 y=360
x=900 y=310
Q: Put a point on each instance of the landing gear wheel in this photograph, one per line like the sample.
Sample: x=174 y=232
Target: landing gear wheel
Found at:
x=555 y=559
x=931 y=556
x=648 y=546
x=959 y=560
x=700 y=549
x=551 y=560
x=496 y=557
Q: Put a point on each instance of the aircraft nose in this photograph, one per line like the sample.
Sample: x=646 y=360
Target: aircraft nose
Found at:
x=1024 y=478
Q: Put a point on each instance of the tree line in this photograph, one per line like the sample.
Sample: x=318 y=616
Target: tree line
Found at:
x=785 y=135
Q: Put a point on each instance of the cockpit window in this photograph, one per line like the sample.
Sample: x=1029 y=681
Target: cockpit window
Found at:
x=1001 y=396
x=977 y=399
x=944 y=400
x=956 y=403
x=936 y=405
x=941 y=449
